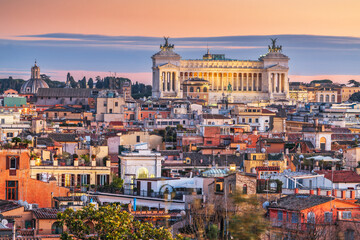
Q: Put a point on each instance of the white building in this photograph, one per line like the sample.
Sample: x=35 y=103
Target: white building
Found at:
x=141 y=163
x=240 y=80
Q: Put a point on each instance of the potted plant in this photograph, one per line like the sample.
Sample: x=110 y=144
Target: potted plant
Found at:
x=104 y=160
x=93 y=157
x=75 y=156
x=55 y=157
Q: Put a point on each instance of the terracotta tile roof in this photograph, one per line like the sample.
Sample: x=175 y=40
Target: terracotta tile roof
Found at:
x=214 y=116
x=8 y=205
x=341 y=176
x=299 y=202
x=45 y=213
x=63 y=137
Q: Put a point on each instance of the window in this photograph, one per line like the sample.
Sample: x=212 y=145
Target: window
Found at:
x=346 y=215
x=208 y=142
x=254 y=157
x=137 y=138
x=110 y=110
x=280 y=215
x=256 y=120
x=243 y=120
x=311 y=217
x=191 y=89
x=116 y=104
x=2 y=121
x=250 y=120
x=56 y=228
x=102 y=180
x=70 y=98
x=328 y=217
x=349 y=234
x=244 y=189
x=11 y=190
x=13 y=163
x=294 y=218
x=9 y=134
x=65 y=114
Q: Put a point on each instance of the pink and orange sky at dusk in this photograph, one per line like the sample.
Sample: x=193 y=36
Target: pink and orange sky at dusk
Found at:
x=23 y=22
x=180 y=18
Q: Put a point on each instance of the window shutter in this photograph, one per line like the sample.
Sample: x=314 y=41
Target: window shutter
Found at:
x=88 y=179
x=63 y=180
x=98 y=179
x=7 y=162
x=79 y=179
x=17 y=162
x=72 y=179
x=107 y=179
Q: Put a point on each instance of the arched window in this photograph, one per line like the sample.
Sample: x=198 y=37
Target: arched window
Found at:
x=198 y=89
x=142 y=173
x=244 y=189
x=332 y=98
x=311 y=217
x=327 y=98
x=56 y=228
x=321 y=98
x=191 y=89
x=205 y=89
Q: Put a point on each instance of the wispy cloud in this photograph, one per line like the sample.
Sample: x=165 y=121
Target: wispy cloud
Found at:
x=310 y=55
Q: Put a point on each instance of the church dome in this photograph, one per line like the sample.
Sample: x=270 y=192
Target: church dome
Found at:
x=31 y=86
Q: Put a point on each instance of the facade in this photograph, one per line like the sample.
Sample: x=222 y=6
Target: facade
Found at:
x=141 y=164
x=110 y=106
x=240 y=81
x=32 y=86
x=196 y=88
x=17 y=183
x=346 y=92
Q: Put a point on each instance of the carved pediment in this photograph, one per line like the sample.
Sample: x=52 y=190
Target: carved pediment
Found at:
x=167 y=65
x=277 y=67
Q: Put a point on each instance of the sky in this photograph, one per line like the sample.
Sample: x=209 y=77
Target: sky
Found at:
x=92 y=37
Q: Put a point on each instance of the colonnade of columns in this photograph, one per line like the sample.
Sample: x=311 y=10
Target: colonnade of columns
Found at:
x=277 y=82
x=168 y=81
x=221 y=81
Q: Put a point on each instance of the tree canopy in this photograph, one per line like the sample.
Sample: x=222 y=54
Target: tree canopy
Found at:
x=110 y=222
x=355 y=97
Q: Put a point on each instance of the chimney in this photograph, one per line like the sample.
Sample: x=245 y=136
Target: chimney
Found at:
x=334 y=192
x=318 y=191
x=352 y=194
x=311 y=191
x=328 y=193
x=343 y=194
x=296 y=190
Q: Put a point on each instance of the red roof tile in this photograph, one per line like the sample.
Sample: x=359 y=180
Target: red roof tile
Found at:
x=341 y=176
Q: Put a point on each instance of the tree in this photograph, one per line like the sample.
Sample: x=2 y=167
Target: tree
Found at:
x=355 y=97
x=117 y=182
x=91 y=83
x=16 y=140
x=110 y=222
x=249 y=222
x=355 y=83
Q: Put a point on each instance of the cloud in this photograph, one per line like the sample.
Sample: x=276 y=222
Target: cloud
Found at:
x=310 y=55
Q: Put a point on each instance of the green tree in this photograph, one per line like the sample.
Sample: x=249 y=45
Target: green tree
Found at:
x=91 y=83
x=111 y=222
x=355 y=83
x=355 y=97
x=117 y=182
x=249 y=222
x=16 y=140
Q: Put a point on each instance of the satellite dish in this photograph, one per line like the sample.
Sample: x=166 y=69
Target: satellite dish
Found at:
x=340 y=150
x=266 y=205
x=4 y=222
x=263 y=150
x=29 y=137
